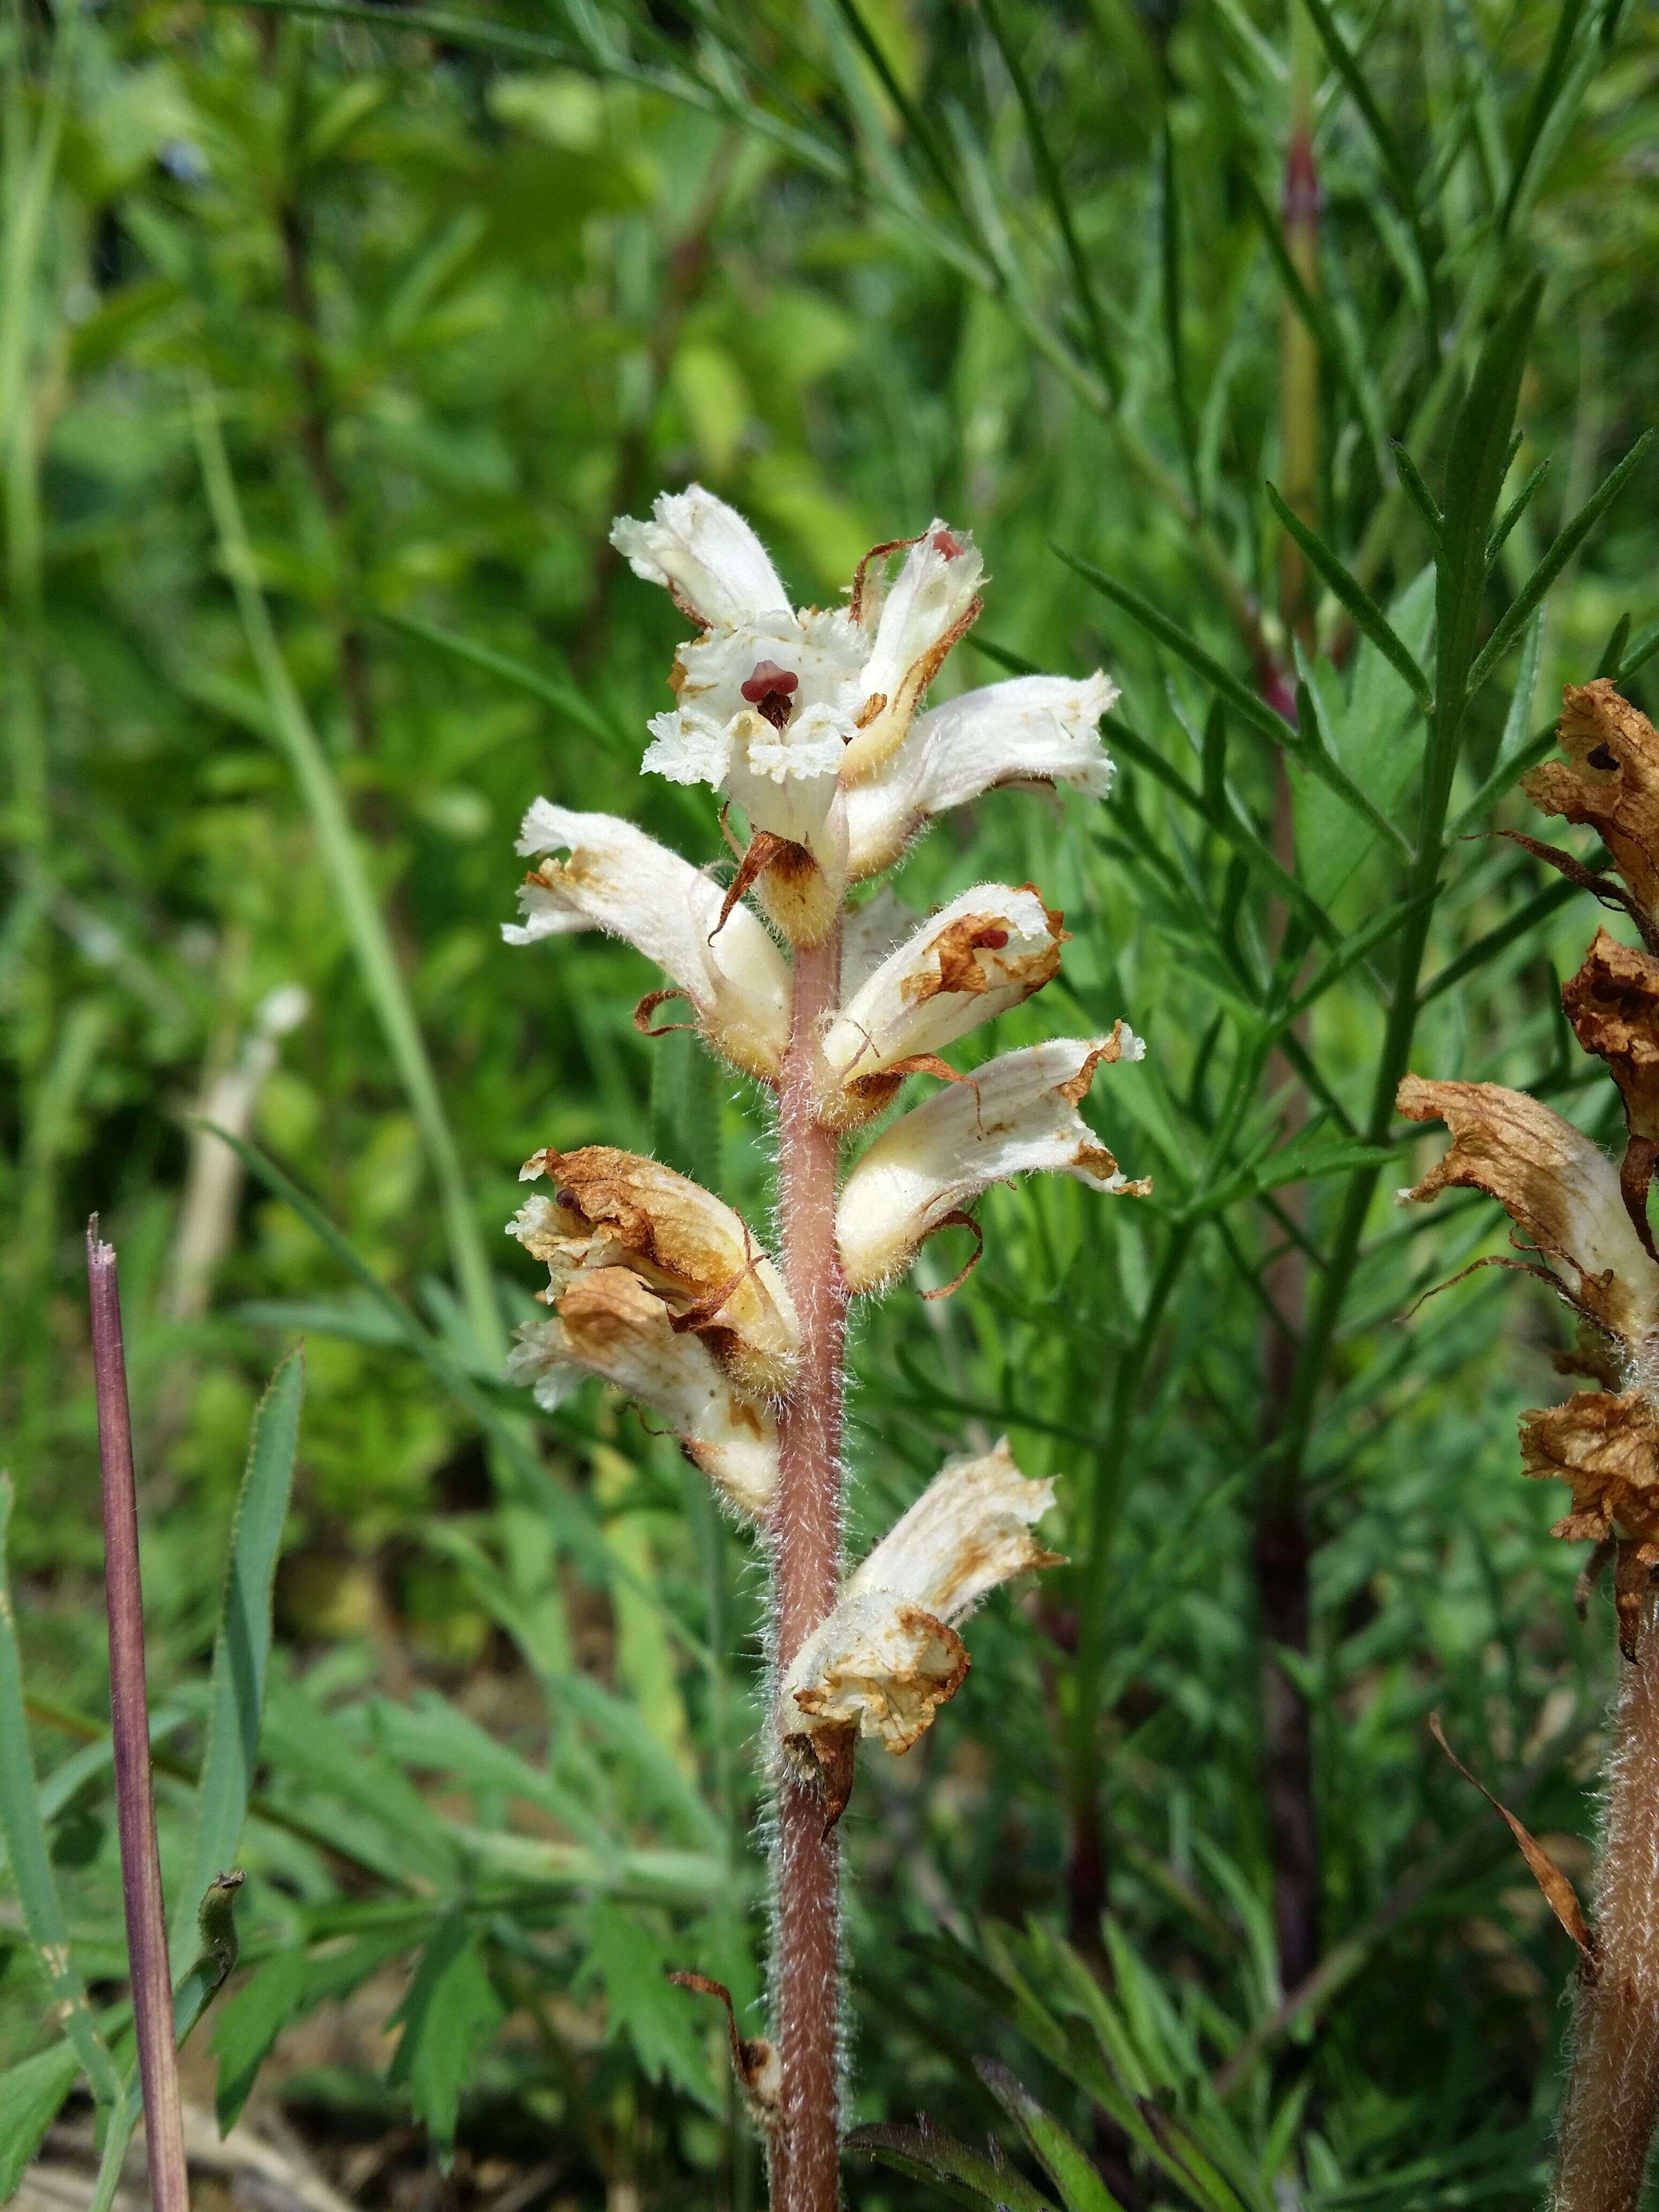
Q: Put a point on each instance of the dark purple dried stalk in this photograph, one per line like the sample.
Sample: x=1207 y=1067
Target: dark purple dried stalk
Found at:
x=129 y=1703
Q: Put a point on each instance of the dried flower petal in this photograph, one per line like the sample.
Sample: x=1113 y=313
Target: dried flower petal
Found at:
x=608 y=1323
x=1018 y=1113
x=1606 y=1449
x=1558 y=1188
x=611 y=1208
x=888 y=1656
x=985 y=953
x=1610 y=780
x=1612 y=1003
x=618 y=879
x=1031 y=731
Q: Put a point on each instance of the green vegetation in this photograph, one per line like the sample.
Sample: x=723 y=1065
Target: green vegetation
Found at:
x=332 y=338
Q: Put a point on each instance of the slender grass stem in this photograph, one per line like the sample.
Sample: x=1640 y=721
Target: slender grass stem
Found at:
x=141 y=1864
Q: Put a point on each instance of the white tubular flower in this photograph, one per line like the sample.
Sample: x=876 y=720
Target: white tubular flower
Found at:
x=1016 y=1114
x=889 y=1655
x=608 y=1323
x=620 y=880
x=986 y=951
x=935 y=598
x=1027 y=732
x=612 y=1209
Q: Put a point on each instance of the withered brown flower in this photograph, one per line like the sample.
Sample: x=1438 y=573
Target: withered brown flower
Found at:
x=1610 y=782
x=1607 y=1449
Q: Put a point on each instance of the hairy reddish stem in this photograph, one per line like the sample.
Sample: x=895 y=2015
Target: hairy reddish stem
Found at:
x=1612 y=2087
x=806 y=1572
x=129 y=1717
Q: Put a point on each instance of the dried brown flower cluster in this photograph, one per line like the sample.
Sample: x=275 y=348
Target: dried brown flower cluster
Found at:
x=1584 y=1219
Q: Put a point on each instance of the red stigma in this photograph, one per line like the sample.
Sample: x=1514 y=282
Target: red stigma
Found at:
x=770 y=690
x=991 y=940
x=947 y=543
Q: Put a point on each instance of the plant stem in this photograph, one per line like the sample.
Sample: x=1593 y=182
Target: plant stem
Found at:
x=141 y=1864
x=1282 y=1547
x=1613 y=2086
x=805 y=1569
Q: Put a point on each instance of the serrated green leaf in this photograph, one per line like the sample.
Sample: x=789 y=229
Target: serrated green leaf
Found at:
x=625 y=1958
x=450 y=2013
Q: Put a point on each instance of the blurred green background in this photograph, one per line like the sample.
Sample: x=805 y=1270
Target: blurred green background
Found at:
x=330 y=342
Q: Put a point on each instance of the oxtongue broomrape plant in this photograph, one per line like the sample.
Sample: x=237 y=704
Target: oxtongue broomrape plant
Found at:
x=810 y=723
x=1585 y=1222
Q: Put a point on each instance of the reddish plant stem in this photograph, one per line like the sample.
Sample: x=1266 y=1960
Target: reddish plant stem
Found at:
x=1613 y=2086
x=806 y=1572
x=129 y=1713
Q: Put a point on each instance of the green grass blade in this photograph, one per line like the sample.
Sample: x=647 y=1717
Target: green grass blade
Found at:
x=1551 y=83
x=563 y=698
x=31 y=1864
x=31 y=2094
x=378 y=963
x=242 y=1645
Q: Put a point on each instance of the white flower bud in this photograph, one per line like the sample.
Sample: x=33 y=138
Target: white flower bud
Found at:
x=608 y=1323
x=983 y=953
x=618 y=879
x=1016 y=1114
x=708 y=557
x=611 y=1208
x=933 y=600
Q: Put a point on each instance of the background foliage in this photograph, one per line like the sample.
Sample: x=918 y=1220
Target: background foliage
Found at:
x=330 y=342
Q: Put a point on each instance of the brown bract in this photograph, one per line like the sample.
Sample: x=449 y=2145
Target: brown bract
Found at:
x=1559 y=1189
x=1609 y=781
x=1612 y=1003
x=1605 y=1449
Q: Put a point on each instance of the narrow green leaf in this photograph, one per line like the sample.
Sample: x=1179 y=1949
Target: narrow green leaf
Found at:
x=1053 y=189
x=1521 y=923
x=1067 y=2164
x=1639 y=654
x=241 y=1644
x=1351 y=594
x=1158 y=624
x=1613 y=653
x=1565 y=545
x=1476 y=464
x=1516 y=508
x=1173 y=302
x=1550 y=82
x=1416 y=491
x=31 y=1863
x=966 y=2177
x=32 y=2094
